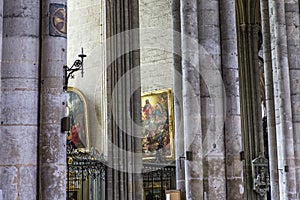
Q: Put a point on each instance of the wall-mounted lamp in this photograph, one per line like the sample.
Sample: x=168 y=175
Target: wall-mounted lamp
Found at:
x=242 y=156
x=65 y=124
x=68 y=72
x=189 y=155
x=286 y=168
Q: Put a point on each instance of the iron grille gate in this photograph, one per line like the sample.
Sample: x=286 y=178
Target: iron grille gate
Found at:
x=85 y=175
x=157 y=179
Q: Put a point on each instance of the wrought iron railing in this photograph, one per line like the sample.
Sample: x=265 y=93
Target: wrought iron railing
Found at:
x=83 y=166
x=157 y=178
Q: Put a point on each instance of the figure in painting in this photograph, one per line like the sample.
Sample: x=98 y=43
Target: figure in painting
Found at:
x=73 y=138
x=77 y=136
x=147 y=110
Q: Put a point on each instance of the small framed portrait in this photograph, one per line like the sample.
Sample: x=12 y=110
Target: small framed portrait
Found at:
x=157 y=125
x=78 y=135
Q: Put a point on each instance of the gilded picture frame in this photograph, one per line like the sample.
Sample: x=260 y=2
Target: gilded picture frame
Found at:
x=77 y=110
x=157 y=125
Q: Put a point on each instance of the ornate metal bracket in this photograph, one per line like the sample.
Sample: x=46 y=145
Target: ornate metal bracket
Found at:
x=260 y=175
x=68 y=72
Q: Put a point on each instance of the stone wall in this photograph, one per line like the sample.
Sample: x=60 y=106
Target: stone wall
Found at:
x=156 y=61
x=86 y=29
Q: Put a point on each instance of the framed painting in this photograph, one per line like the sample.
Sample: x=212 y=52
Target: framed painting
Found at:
x=78 y=135
x=157 y=125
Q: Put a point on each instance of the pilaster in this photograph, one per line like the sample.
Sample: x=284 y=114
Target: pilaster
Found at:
x=178 y=115
x=293 y=43
x=282 y=98
x=52 y=142
x=270 y=108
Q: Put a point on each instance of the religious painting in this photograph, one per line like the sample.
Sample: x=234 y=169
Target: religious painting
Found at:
x=157 y=125
x=78 y=135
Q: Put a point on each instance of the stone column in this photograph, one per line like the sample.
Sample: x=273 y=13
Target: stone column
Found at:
x=250 y=102
x=52 y=142
x=293 y=47
x=19 y=98
x=283 y=113
x=270 y=109
x=135 y=100
x=191 y=100
x=178 y=117
x=250 y=90
x=233 y=135
x=212 y=99
x=124 y=179
x=1 y=36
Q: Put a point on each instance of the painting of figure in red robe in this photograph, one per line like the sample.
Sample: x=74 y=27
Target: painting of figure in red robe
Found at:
x=157 y=120
x=77 y=136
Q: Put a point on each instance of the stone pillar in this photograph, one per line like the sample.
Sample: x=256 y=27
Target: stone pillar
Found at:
x=293 y=47
x=250 y=101
x=233 y=136
x=191 y=100
x=1 y=38
x=270 y=109
x=52 y=142
x=178 y=117
x=282 y=99
x=212 y=99
x=249 y=42
x=19 y=98
x=123 y=75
